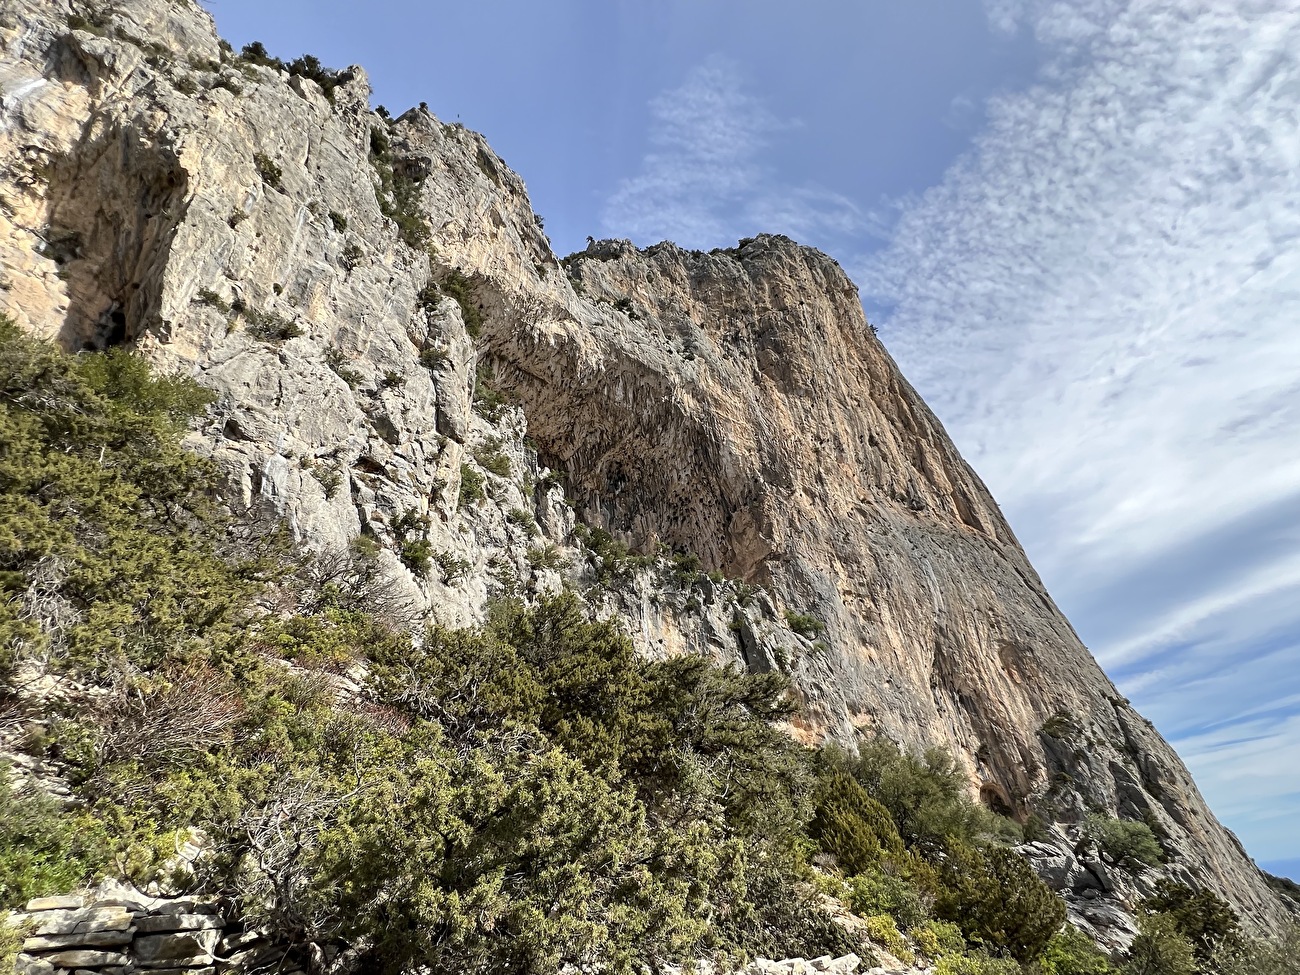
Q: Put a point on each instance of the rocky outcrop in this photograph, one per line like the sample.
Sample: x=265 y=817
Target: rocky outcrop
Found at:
x=223 y=218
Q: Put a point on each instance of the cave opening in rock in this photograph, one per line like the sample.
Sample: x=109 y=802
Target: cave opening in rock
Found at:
x=995 y=798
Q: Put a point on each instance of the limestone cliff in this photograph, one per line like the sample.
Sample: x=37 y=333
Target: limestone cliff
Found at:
x=225 y=218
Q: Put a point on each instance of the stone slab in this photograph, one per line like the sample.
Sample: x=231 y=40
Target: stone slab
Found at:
x=87 y=939
x=71 y=903
x=79 y=921
x=177 y=922
x=177 y=948
x=85 y=959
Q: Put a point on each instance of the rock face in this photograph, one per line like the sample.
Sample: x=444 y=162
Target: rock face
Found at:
x=222 y=217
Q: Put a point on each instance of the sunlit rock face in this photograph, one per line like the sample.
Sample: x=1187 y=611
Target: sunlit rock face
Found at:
x=222 y=218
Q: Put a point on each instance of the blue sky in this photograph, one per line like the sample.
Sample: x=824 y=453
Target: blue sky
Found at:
x=1076 y=223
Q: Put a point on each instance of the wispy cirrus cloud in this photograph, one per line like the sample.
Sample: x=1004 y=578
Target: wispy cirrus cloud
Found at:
x=1101 y=301
x=704 y=175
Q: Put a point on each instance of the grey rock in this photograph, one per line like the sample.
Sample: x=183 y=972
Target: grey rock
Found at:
x=86 y=939
x=86 y=959
x=28 y=965
x=177 y=922
x=1097 y=874
x=69 y=903
x=82 y=921
x=179 y=949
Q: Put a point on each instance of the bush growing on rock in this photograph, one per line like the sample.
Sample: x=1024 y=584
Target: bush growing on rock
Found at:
x=1127 y=841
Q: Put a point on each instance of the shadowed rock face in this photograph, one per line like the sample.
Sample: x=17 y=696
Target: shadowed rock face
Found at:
x=733 y=404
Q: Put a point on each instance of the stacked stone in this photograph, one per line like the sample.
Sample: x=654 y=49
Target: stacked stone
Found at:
x=116 y=931
x=825 y=965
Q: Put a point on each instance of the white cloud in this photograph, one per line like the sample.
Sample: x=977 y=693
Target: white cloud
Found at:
x=704 y=174
x=1101 y=301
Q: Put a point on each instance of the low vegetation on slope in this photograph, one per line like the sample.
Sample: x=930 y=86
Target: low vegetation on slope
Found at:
x=510 y=798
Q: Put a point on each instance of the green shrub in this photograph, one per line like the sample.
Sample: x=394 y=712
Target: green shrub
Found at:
x=308 y=66
x=267 y=169
x=266 y=326
x=1071 y=952
x=339 y=364
x=206 y=296
x=352 y=255
x=11 y=943
x=397 y=194
x=1160 y=949
x=1278 y=955
x=330 y=478
x=42 y=851
x=926 y=797
x=1035 y=829
x=976 y=964
x=998 y=900
x=851 y=825
x=489 y=402
x=255 y=53
x=471 y=486
x=432 y=357
x=93 y=477
x=631 y=782
x=938 y=939
x=549 y=557
x=338 y=221
x=453 y=568
x=804 y=624
x=417 y=555
x=1127 y=841
x=457 y=286
x=614 y=562
x=1058 y=725
x=1206 y=920
x=524 y=519
x=492 y=458
x=883 y=931
x=885 y=892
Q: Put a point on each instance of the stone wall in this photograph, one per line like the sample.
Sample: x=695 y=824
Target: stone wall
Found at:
x=117 y=930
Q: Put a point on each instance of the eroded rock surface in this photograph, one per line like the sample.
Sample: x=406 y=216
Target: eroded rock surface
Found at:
x=222 y=218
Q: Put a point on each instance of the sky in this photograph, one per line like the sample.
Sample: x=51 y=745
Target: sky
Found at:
x=1076 y=224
